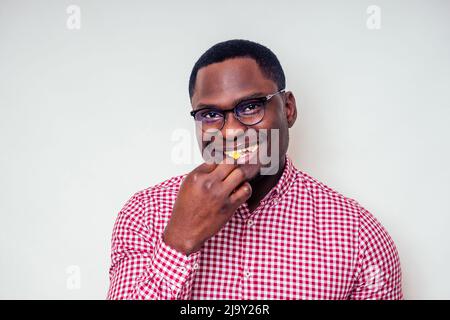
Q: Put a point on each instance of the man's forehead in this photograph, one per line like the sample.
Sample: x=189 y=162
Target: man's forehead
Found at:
x=228 y=80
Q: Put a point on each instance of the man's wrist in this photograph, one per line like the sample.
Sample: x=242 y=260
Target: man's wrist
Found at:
x=182 y=246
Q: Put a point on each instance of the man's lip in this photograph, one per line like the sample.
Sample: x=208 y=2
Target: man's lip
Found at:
x=242 y=146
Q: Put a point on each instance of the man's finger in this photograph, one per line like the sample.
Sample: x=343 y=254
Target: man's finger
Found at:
x=242 y=194
x=233 y=180
x=223 y=170
x=206 y=167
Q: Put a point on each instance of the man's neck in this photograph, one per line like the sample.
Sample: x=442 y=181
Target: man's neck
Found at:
x=263 y=185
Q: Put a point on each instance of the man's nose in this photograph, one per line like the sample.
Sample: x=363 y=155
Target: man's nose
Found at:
x=232 y=128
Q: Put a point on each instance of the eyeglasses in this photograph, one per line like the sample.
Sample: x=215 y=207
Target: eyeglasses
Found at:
x=248 y=112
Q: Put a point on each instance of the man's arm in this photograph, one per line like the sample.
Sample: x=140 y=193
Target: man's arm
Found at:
x=142 y=265
x=149 y=265
x=378 y=274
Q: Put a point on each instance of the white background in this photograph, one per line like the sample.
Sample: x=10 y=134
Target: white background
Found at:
x=87 y=117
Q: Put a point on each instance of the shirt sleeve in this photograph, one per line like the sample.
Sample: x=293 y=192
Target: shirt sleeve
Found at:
x=143 y=267
x=378 y=275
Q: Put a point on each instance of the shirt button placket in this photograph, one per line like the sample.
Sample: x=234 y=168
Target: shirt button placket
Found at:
x=246 y=268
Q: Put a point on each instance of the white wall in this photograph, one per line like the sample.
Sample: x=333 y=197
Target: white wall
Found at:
x=82 y=127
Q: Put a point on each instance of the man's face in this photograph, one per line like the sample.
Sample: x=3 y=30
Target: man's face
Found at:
x=222 y=85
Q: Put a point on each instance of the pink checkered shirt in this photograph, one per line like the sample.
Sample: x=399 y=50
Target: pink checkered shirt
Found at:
x=304 y=241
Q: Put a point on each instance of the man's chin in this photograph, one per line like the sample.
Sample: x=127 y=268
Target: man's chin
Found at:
x=255 y=172
x=252 y=171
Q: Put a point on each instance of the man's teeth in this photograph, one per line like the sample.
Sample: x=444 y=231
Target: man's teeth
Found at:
x=236 y=154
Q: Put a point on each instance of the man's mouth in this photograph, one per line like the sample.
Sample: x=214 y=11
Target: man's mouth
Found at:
x=241 y=152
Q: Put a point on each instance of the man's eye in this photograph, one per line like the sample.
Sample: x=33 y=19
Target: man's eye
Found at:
x=251 y=108
x=210 y=115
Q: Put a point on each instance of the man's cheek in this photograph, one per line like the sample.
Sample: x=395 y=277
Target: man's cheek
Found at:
x=269 y=152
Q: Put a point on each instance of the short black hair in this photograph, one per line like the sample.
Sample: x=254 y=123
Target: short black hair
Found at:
x=239 y=48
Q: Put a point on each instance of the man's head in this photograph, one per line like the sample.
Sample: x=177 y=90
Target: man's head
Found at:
x=240 y=70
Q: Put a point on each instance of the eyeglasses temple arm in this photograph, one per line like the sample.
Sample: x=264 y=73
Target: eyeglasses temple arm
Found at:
x=274 y=94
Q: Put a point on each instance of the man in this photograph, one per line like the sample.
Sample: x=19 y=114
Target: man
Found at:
x=227 y=231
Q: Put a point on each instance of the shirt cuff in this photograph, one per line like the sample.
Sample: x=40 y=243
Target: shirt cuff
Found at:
x=173 y=265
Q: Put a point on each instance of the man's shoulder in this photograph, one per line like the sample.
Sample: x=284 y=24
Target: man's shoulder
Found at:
x=322 y=193
x=331 y=205
x=153 y=201
x=331 y=202
x=165 y=190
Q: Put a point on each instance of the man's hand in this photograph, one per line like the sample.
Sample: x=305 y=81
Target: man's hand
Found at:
x=207 y=199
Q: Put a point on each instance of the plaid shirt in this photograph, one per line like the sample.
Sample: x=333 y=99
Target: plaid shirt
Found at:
x=304 y=241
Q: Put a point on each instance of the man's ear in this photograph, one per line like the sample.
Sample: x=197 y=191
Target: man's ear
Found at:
x=290 y=108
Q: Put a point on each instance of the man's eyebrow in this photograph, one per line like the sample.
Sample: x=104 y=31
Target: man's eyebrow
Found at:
x=234 y=103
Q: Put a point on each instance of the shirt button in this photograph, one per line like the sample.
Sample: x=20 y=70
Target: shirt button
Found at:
x=247 y=274
x=195 y=266
x=250 y=222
